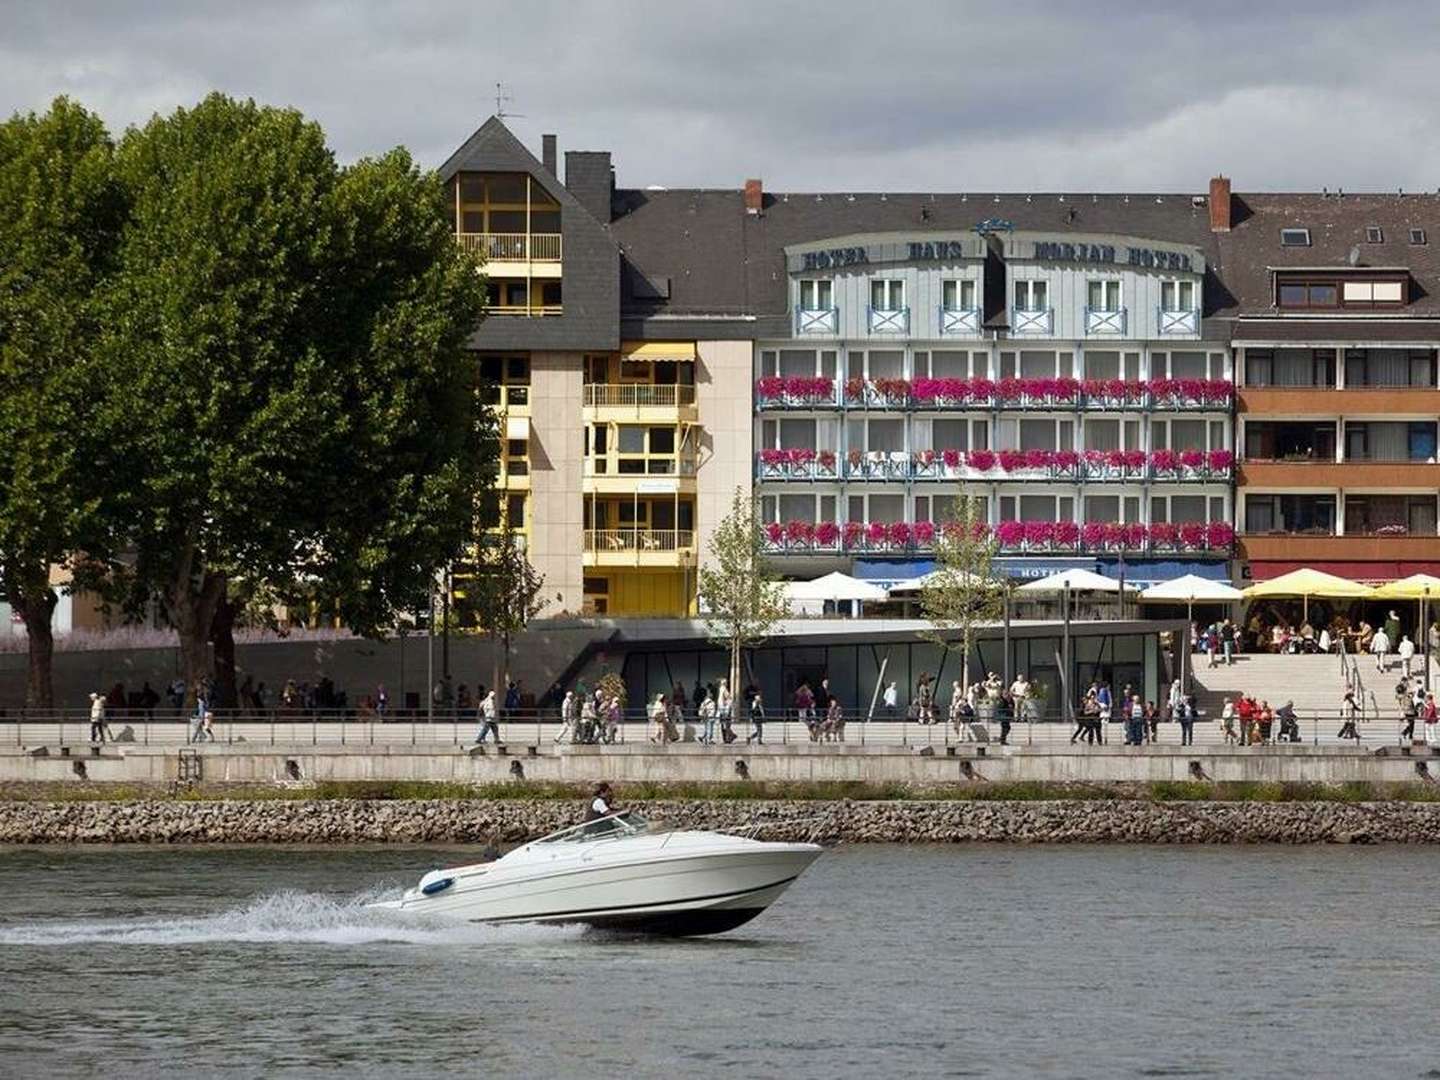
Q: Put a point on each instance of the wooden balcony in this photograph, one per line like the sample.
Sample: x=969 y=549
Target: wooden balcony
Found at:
x=1298 y=401
x=1337 y=475
x=645 y=402
x=513 y=247
x=639 y=547
x=1308 y=548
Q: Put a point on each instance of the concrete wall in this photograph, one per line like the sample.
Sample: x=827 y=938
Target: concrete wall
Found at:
x=557 y=448
x=723 y=378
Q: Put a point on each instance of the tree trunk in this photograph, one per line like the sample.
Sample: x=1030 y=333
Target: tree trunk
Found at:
x=222 y=635
x=735 y=681
x=35 y=602
x=193 y=599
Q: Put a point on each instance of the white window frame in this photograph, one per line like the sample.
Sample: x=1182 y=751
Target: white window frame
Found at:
x=1036 y=293
x=1111 y=298
x=964 y=294
x=892 y=291
x=1171 y=298
x=813 y=286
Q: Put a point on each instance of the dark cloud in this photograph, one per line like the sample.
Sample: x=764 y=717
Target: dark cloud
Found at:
x=836 y=95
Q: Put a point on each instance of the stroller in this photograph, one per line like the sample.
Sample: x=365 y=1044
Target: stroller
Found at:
x=1289 y=726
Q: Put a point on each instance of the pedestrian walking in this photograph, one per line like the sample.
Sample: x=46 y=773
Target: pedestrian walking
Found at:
x=757 y=720
x=1186 y=714
x=1004 y=712
x=1431 y=717
x=1406 y=652
x=569 y=713
x=1227 y=723
x=489 y=720
x=707 y=720
x=1348 y=711
x=891 y=700
x=1380 y=646
x=97 y=718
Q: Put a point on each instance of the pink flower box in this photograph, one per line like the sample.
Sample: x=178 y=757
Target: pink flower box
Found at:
x=924 y=533
x=1164 y=461
x=854 y=533
x=1067 y=533
x=826 y=533
x=898 y=533
x=951 y=458
x=1039 y=533
x=1092 y=534
x=799 y=532
x=875 y=532
x=1010 y=533
x=1163 y=533
x=774 y=532
x=980 y=460
x=1220 y=461
x=1192 y=459
x=1219 y=535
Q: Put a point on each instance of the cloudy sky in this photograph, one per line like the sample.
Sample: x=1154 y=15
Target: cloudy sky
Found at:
x=824 y=94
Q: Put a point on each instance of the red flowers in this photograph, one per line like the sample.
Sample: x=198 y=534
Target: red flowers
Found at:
x=980 y=460
x=1010 y=460
x=951 y=458
x=1219 y=461
x=1010 y=533
x=1164 y=460
x=1163 y=534
x=1192 y=534
x=853 y=532
x=794 y=389
x=898 y=533
x=1219 y=535
x=924 y=533
x=1192 y=459
x=1067 y=533
x=799 y=532
x=774 y=532
x=826 y=533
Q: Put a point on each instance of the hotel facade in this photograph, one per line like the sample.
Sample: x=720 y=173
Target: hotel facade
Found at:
x=1148 y=385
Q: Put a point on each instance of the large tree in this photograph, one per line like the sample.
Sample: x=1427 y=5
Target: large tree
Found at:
x=740 y=595
x=961 y=593
x=58 y=228
x=287 y=392
x=501 y=594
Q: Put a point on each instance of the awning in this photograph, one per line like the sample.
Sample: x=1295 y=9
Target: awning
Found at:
x=1308 y=581
x=657 y=351
x=1077 y=579
x=889 y=571
x=517 y=427
x=1414 y=587
x=1150 y=573
x=1191 y=589
x=834 y=586
x=1355 y=570
x=1030 y=569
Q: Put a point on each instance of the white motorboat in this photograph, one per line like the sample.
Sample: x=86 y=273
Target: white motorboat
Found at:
x=619 y=873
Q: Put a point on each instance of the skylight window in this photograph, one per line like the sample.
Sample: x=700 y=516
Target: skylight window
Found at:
x=1374 y=234
x=1294 y=237
x=1417 y=236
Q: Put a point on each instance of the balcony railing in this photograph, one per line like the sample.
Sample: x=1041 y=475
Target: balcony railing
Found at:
x=1178 y=323
x=1051 y=466
x=1033 y=321
x=637 y=466
x=513 y=247
x=639 y=395
x=803 y=391
x=658 y=541
x=1026 y=537
x=960 y=322
x=1109 y=323
x=817 y=320
x=531 y=310
x=888 y=320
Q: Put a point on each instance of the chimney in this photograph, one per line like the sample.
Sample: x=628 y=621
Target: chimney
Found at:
x=754 y=196
x=591 y=180
x=547 y=153
x=1220 y=204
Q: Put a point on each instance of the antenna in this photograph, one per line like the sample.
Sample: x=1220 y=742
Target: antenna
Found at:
x=502 y=98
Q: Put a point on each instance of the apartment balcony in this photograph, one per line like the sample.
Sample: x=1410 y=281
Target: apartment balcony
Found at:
x=888 y=320
x=1003 y=466
x=817 y=321
x=661 y=548
x=1327 y=401
x=644 y=474
x=796 y=392
x=1319 y=548
x=1105 y=323
x=800 y=463
x=1178 y=323
x=959 y=322
x=510 y=400
x=510 y=248
x=902 y=538
x=1330 y=475
x=1032 y=322
x=645 y=402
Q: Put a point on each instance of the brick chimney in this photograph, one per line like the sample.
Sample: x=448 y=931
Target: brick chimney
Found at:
x=547 y=153
x=754 y=196
x=1219 y=204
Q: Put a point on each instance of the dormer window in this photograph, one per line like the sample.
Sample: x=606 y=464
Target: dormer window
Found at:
x=1294 y=237
x=1417 y=236
x=1301 y=289
x=1374 y=234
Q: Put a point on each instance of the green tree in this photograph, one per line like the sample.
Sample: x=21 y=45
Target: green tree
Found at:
x=502 y=594
x=962 y=593
x=740 y=595
x=58 y=234
x=287 y=398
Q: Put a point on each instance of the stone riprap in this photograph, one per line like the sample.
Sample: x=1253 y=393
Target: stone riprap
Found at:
x=353 y=821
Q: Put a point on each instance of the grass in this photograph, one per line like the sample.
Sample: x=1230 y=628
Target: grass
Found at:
x=857 y=791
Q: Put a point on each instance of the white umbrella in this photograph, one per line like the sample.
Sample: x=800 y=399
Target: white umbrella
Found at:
x=835 y=586
x=1192 y=589
x=1076 y=580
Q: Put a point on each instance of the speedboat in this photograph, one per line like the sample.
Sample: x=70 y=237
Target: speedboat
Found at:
x=618 y=872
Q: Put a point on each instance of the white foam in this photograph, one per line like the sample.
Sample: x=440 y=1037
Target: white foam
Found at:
x=285 y=918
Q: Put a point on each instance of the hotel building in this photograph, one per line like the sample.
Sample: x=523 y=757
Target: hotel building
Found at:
x=1146 y=385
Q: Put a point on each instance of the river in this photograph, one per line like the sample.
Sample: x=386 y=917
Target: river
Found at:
x=882 y=961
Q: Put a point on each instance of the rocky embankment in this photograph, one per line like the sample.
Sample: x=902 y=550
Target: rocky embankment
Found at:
x=347 y=821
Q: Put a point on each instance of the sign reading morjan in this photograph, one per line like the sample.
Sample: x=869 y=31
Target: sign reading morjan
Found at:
x=1150 y=258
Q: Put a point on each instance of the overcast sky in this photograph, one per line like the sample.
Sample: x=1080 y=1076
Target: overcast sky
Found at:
x=824 y=94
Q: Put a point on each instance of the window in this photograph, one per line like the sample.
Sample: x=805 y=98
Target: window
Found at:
x=1417 y=236
x=1313 y=514
x=1177 y=296
x=515 y=511
x=1389 y=367
x=957 y=294
x=1031 y=296
x=816 y=295
x=1294 y=237
x=1374 y=234
x=1290 y=367
x=1104 y=295
x=887 y=294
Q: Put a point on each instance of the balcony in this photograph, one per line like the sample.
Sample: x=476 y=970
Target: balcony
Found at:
x=1105 y=323
x=513 y=400
x=625 y=474
x=1329 y=474
x=795 y=392
x=639 y=547
x=1017 y=537
x=823 y=321
x=796 y=463
x=513 y=247
x=888 y=320
x=1007 y=466
x=1031 y=322
x=1322 y=548
x=1327 y=401
x=639 y=401
x=1178 y=323
x=959 y=322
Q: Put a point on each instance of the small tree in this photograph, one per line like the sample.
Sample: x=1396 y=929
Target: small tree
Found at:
x=962 y=593
x=742 y=597
x=503 y=594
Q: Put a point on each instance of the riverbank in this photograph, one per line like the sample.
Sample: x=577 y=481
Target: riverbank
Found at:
x=914 y=820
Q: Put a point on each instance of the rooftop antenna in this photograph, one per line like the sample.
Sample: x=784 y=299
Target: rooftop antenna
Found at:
x=502 y=98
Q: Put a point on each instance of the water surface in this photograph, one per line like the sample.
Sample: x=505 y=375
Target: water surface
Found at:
x=881 y=961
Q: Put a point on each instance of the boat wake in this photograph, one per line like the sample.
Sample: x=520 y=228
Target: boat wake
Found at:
x=284 y=918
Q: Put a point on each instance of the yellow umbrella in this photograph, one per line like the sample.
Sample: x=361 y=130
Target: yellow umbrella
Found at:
x=1306 y=583
x=1414 y=587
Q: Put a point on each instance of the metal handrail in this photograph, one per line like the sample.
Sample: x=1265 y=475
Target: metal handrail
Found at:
x=639 y=395
x=513 y=247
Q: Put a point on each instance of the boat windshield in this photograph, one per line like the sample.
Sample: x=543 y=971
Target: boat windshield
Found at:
x=612 y=827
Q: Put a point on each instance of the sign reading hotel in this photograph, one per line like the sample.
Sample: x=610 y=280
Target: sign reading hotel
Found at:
x=862 y=251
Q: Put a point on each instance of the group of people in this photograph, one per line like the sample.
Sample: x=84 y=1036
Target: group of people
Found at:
x=1417 y=704
x=714 y=709
x=589 y=717
x=1247 y=722
x=821 y=711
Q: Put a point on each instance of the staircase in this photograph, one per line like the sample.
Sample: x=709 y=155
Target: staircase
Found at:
x=1316 y=684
